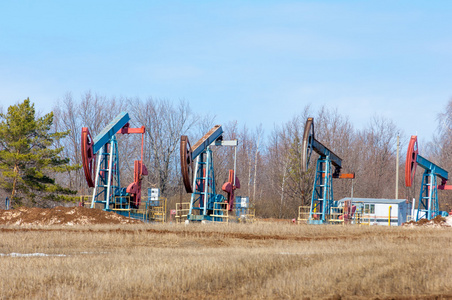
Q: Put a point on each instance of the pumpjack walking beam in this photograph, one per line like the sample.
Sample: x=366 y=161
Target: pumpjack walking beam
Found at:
x=427 y=205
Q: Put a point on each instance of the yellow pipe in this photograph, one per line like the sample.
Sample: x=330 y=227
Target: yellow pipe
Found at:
x=389 y=217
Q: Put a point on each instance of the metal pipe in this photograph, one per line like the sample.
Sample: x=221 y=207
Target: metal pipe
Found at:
x=96 y=180
x=430 y=180
x=235 y=163
x=397 y=170
x=389 y=216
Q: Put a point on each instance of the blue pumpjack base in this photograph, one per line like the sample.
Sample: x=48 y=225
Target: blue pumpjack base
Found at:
x=322 y=194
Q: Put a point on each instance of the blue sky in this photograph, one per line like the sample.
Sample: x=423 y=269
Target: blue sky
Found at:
x=250 y=61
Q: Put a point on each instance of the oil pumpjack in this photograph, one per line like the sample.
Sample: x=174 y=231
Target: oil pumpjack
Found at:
x=427 y=204
x=199 y=177
x=322 y=193
x=101 y=166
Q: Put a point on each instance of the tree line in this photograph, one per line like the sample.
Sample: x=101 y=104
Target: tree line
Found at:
x=268 y=163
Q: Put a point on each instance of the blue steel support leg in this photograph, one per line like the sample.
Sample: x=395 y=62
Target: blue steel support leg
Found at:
x=428 y=206
x=435 y=204
x=98 y=164
x=322 y=194
x=423 y=199
x=206 y=192
x=316 y=195
x=327 y=191
x=203 y=196
x=198 y=197
x=193 y=195
x=107 y=182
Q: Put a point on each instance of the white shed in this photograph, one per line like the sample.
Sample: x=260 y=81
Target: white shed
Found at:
x=377 y=210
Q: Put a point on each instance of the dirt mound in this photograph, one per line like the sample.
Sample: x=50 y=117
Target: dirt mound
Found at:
x=61 y=216
x=437 y=221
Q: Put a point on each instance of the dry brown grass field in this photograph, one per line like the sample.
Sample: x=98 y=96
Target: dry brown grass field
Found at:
x=224 y=261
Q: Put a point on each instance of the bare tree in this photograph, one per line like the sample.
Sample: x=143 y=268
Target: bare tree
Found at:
x=165 y=123
x=336 y=132
x=90 y=111
x=376 y=148
x=287 y=181
x=257 y=141
x=269 y=168
x=439 y=151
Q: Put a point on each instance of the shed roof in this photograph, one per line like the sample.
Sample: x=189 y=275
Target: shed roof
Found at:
x=374 y=200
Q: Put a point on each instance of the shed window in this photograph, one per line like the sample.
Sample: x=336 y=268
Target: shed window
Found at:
x=369 y=208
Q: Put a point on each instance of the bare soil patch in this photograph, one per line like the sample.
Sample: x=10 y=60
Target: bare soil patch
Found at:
x=61 y=216
x=438 y=221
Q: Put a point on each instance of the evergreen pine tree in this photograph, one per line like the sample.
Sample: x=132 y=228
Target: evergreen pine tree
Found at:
x=27 y=159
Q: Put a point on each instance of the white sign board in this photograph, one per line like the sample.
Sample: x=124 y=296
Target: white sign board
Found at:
x=155 y=194
x=244 y=202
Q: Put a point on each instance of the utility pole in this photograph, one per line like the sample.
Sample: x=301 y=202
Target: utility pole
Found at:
x=397 y=170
